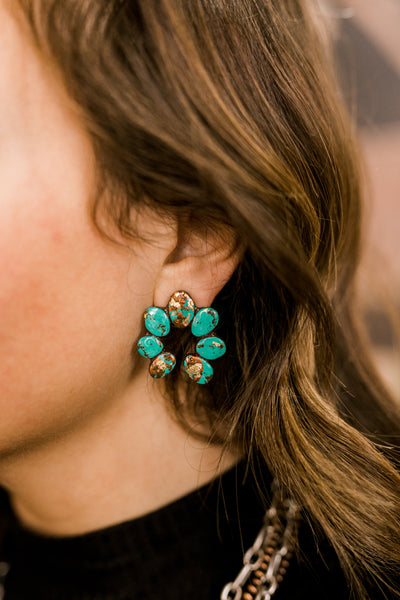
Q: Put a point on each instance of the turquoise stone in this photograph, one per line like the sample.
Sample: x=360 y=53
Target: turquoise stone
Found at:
x=162 y=365
x=181 y=309
x=211 y=348
x=198 y=369
x=149 y=346
x=156 y=321
x=205 y=320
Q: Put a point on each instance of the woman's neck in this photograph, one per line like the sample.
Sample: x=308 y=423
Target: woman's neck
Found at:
x=118 y=465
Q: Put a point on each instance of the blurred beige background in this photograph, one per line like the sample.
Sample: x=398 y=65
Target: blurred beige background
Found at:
x=368 y=54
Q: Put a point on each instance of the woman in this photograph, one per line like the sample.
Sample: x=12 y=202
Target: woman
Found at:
x=152 y=147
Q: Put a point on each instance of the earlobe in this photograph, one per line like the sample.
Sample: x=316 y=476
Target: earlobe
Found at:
x=200 y=265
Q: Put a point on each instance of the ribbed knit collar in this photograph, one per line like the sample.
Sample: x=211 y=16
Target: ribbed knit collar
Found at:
x=201 y=532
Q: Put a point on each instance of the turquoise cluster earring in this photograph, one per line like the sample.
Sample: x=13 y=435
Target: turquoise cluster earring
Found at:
x=180 y=313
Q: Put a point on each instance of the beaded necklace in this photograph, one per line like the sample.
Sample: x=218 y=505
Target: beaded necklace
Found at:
x=266 y=561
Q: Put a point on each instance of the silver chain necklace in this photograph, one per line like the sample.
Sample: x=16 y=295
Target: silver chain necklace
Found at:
x=266 y=561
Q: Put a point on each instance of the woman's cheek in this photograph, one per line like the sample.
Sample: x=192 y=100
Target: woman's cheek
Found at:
x=64 y=321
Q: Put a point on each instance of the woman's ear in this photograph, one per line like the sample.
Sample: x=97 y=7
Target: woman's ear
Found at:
x=201 y=264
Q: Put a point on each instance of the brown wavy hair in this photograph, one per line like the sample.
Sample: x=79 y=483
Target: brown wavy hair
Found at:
x=227 y=112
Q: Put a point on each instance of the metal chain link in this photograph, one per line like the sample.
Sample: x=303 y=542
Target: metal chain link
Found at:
x=277 y=536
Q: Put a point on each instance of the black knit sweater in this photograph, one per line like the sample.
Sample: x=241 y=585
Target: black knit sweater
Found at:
x=187 y=550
